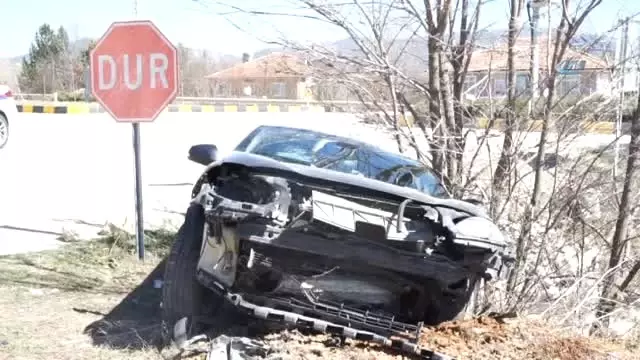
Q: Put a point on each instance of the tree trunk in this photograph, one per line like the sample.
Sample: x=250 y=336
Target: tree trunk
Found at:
x=608 y=295
x=561 y=44
x=505 y=164
x=451 y=136
x=459 y=62
x=435 y=114
x=396 y=112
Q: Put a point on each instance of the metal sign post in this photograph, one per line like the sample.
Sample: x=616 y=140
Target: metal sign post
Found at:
x=135 y=127
x=134 y=76
x=138 y=177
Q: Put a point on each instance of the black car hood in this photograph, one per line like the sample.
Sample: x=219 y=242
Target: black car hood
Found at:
x=343 y=182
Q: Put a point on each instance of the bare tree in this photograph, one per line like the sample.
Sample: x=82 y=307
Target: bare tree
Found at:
x=504 y=168
x=554 y=206
x=392 y=30
x=620 y=240
x=460 y=61
x=565 y=32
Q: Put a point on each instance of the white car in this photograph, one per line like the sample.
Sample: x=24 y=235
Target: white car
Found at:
x=8 y=112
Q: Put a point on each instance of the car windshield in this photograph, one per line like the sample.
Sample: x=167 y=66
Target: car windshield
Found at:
x=335 y=153
x=294 y=145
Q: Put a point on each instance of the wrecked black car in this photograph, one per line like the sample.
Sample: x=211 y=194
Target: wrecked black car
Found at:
x=327 y=233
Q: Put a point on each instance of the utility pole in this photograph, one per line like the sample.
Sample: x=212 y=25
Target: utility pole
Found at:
x=622 y=61
x=533 y=12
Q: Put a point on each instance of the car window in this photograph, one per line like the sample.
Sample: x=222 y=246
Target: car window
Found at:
x=401 y=171
x=429 y=183
x=298 y=150
x=330 y=149
x=380 y=166
x=292 y=145
x=347 y=164
x=338 y=154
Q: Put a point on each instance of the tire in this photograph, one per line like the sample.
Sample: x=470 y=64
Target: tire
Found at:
x=185 y=302
x=4 y=131
x=448 y=304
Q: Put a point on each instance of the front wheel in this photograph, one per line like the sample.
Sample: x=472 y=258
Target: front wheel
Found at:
x=185 y=302
x=448 y=304
x=4 y=131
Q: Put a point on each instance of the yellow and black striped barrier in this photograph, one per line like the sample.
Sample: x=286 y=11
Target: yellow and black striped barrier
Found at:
x=594 y=127
x=92 y=108
x=591 y=127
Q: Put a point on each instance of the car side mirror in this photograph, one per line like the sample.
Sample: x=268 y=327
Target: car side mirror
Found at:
x=203 y=154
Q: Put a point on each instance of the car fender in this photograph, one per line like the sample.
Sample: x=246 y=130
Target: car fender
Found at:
x=481 y=233
x=203 y=178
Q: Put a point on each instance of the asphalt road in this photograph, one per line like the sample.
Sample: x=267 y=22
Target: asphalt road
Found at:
x=75 y=172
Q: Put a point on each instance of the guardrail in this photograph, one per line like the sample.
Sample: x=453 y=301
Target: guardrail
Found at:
x=39 y=103
x=48 y=103
x=208 y=100
x=34 y=97
x=213 y=100
x=92 y=108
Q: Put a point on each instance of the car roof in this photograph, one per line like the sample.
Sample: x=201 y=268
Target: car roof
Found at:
x=350 y=141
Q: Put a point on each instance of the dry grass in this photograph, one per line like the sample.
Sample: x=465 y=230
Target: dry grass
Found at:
x=46 y=326
x=94 y=300
x=79 y=302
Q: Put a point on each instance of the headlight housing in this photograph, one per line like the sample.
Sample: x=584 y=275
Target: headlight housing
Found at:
x=480 y=232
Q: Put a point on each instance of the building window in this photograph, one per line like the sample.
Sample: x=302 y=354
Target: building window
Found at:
x=569 y=66
x=278 y=90
x=522 y=84
x=222 y=89
x=469 y=81
x=500 y=87
x=247 y=88
x=569 y=85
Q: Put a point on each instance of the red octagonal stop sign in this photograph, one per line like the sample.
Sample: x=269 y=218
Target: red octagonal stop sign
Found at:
x=134 y=71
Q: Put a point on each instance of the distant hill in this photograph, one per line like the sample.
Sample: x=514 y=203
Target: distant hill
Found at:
x=414 y=51
x=76 y=47
x=9 y=71
x=598 y=45
x=410 y=54
x=413 y=58
x=80 y=45
x=10 y=67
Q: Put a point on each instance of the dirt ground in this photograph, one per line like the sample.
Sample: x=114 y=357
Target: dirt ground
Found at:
x=90 y=300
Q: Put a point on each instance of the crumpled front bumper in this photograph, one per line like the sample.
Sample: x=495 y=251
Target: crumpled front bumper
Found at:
x=316 y=323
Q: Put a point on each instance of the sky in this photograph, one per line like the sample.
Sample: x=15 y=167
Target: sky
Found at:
x=209 y=24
